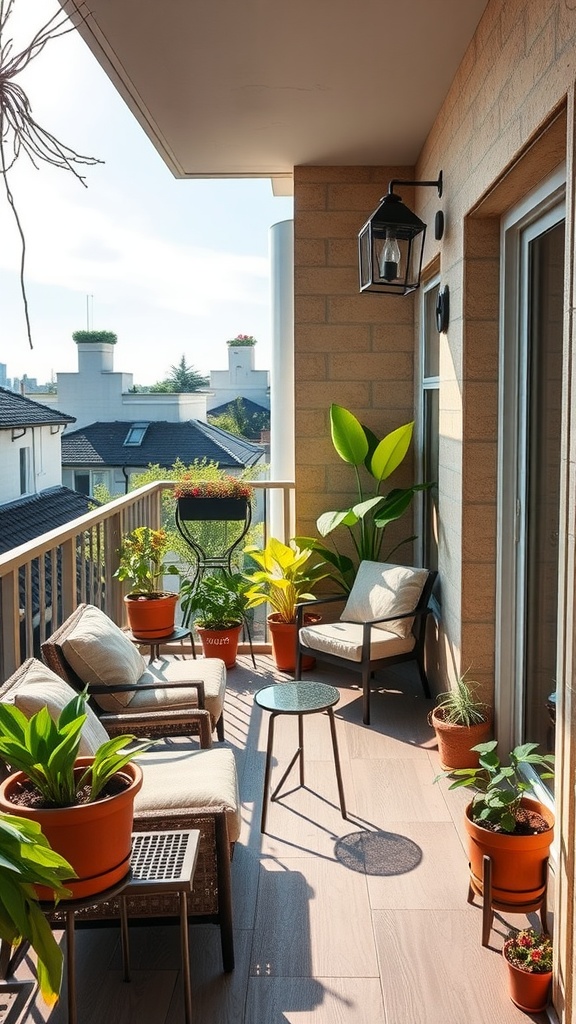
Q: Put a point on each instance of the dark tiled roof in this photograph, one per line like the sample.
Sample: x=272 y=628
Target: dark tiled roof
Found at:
x=102 y=444
x=250 y=407
x=18 y=411
x=27 y=518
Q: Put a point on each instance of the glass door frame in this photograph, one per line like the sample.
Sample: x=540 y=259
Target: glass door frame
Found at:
x=539 y=211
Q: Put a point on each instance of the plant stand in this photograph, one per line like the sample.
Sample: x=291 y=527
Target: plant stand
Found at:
x=489 y=904
x=211 y=510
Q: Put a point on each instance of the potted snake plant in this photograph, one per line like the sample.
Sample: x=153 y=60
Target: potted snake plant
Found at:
x=461 y=721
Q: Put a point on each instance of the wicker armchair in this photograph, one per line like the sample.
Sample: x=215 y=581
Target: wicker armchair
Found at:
x=203 y=794
x=88 y=649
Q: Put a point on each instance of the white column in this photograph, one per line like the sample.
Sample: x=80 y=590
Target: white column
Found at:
x=282 y=462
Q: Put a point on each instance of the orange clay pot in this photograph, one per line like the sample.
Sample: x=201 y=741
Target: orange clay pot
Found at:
x=455 y=741
x=220 y=643
x=95 y=838
x=151 y=616
x=518 y=862
x=283 y=637
x=528 y=990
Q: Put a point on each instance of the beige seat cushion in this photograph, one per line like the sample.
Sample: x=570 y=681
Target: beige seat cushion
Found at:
x=100 y=653
x=190 y=778
x=344 y=639
x=170 y=670
x=382 y=589
x=39 y=687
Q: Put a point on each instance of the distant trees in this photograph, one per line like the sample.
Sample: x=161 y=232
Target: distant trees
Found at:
x=182 y=378
x=238 y=420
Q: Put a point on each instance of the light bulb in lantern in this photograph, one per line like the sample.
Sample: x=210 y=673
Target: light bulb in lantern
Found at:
x=389 y=257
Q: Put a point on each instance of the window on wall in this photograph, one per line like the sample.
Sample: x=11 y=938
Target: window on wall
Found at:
x=430 y=363
x=25 y=471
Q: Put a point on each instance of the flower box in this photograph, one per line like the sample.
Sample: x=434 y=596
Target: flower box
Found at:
x=212 y=509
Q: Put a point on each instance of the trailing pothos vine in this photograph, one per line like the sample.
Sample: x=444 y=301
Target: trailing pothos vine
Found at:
x=19 y=131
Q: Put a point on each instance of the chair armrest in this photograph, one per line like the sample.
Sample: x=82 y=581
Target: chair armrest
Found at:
x=328 y=599
x=196 y=684
x=136 y=719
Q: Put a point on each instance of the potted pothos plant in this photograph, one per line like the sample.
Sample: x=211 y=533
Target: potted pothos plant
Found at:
x=27 y=860
x=502 y=822
x=84 y=805
x=151 y=610
x=365 y=521
x=217 y=605
x=528 y=956
x=460 y=720
x=286 y=575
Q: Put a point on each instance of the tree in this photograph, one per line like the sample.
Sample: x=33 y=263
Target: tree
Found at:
x=237 y=420
x=182 y=378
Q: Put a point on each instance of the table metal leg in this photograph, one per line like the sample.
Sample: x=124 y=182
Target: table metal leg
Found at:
x=337 y=762
x=124 y=938
x=267 y=772
x=301 y=746
x=71 y=967
x=185 y=948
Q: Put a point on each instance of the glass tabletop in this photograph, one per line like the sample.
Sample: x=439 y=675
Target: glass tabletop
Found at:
x=297 y=698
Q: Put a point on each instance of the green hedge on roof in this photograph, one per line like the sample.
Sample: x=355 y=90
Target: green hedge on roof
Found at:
x=108 y=337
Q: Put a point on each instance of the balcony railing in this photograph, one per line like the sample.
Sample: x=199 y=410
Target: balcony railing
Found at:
x=43 y=581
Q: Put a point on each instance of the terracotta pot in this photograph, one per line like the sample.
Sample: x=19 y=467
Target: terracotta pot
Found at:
x=96 y=838
x=220 y=643
x=151 y=616
x=529 y=991
x=283 y=637
x=455 y=741
x=518 y=862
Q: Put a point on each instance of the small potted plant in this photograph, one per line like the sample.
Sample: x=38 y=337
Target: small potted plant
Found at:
x=285 y=577
x=84 y=806
x=151 y=610
x=514 y=830
x=217 y=605
x=26 y=860
x=460 y=721
x=528 y=955
x=242 y=341
x=225 y=499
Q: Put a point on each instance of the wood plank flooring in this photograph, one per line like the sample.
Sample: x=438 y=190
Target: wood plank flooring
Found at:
x=363 y=921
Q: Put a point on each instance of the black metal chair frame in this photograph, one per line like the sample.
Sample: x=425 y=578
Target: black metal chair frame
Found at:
x=367 y=666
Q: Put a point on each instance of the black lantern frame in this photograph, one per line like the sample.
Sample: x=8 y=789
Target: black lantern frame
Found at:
x=391 y=244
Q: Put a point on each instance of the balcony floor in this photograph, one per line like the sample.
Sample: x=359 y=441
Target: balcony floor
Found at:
x=363 y=921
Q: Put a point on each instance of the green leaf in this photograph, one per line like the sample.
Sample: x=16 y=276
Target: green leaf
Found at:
x=391 y=451
x=348 y=436
x=395 y=505
x=328 y=521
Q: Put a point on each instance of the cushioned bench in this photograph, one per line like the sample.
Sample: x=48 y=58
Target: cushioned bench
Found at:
x=89 y=649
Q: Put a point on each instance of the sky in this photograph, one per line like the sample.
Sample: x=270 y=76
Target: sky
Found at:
x=137 y=252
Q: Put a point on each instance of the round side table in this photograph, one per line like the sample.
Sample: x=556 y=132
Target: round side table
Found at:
x=297 y=699
x=155 y=642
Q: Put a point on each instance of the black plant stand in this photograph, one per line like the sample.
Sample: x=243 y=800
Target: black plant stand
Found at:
x=211 y=510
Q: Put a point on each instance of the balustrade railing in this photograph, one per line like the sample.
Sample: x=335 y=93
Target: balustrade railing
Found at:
x=43 y=581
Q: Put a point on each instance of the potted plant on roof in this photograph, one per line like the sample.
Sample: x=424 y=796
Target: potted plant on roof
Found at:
x=226 y=498
x=503 y=823
x=217 y=605
x=151 y=610
x=26 y=860
x=84 y=805
x=460 y=721
x=528 y=956
x=285 y=577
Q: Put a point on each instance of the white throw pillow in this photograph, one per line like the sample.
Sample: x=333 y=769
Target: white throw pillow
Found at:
x=99 y=652
x=39 y=687
x=381 y=589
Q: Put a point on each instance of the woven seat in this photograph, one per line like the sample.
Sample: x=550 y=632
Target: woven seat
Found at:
x=88 y=649
x=182 y=789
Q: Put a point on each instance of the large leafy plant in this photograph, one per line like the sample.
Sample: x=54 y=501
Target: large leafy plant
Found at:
x=217 y=601
x=26 y=860
x=373 y=462
x=501 y=787
x=285 y=577
x=46 y=751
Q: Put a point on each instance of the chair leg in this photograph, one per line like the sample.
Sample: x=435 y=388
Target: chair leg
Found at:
x=423 y=677
x=366 y=695
x=220 y=727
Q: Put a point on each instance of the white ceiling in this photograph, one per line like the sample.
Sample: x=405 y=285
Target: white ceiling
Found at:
x=250 y=89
